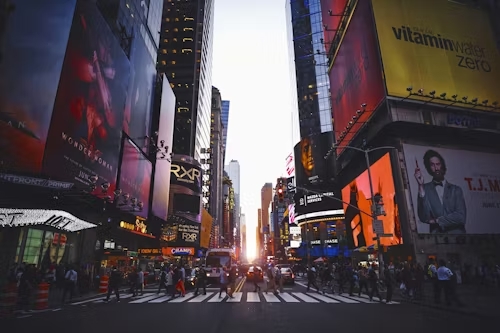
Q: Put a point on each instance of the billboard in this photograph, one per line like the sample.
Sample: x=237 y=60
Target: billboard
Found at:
x=289 y=165
x=453 y=191
x=29 y=76
x=86 y=127
x=206 y=228
x=356 y=75
x=313 y=206
x=180 y=232
x=332 y=13
x=426 y=44
x=161 y=188
x=291 y=214
x=358 y=222
x=134 y=181
x=311 y=168
x=138 y=107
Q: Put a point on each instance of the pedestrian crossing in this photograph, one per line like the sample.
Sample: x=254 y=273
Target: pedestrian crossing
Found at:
x=238 y=297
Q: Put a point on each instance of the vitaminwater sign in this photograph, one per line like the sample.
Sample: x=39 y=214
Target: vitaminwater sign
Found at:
x=437 y=45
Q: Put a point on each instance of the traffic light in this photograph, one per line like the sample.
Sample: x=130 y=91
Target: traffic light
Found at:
x=379 y=205
x=281 y=194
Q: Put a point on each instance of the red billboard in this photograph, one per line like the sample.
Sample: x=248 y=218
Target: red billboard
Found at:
x=33 y=39
x=332 y=12
x=356 y=75
x=135 y=180
x=85 y=132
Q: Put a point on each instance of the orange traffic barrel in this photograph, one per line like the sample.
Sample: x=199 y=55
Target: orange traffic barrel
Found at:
x=8 y=300
x=42 y=296
x=146 y=274
x=103 y=284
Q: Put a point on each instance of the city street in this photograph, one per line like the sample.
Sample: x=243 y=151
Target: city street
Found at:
x=291 y=311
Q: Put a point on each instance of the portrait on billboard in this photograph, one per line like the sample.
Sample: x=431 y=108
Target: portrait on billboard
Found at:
x=29 y=76
x=311 y=168
x=453 y=191
x=85 y=132
x=358 y=223
x=135 y=180
x=138 y=107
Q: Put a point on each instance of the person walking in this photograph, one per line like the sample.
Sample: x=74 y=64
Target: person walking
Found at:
x=71 y=279
x=114 y=283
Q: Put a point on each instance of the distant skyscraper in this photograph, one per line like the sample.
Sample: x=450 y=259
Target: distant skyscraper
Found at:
x=233 y=171
x=266 y=196
x=185 y=57
x=243 y=227
x=225 y=121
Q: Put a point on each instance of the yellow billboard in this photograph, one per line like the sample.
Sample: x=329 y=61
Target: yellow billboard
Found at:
x=206 y=228
x=440 y=46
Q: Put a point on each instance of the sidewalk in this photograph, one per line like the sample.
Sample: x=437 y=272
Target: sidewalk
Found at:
x=477 y=301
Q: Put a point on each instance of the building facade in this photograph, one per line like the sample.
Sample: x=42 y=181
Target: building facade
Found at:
x=233 y=171
x=243 y=227
x=266 y=197
x=216 y=173
x=225 y=123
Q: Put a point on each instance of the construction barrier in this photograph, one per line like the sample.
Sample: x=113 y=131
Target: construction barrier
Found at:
x=103 y=284
x=146 y=274
x=8 y=300
x=42 y=296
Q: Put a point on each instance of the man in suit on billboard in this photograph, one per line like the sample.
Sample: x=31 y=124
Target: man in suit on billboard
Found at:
x=439 y=204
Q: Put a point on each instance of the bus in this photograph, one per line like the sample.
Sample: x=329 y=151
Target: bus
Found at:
x=216 y=259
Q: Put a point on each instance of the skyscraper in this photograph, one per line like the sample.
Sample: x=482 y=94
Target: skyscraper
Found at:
x=233 y=171
x=185 y=57
x=305 y=33
x=225 y=122
x=266 y=196
x=243 y=227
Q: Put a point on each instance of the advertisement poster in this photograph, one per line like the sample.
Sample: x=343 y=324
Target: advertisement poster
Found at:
x=29 y=76
x=454 y=191
x=206 y=228
x=425 y=44
x=135 y=181
x=185 y=188
x=136 y=120
x=331 y=14
x=161 y=190
x=356 y=75
x=311 y=168
x=85 y=132
x=180 y=232
x=358 y=222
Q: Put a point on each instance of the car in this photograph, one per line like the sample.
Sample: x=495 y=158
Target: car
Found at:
x=252 y=271
x=288 y=275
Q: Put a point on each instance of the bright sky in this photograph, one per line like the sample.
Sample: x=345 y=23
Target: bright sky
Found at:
x=251 y=69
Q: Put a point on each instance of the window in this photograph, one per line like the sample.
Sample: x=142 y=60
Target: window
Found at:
x=173 y=62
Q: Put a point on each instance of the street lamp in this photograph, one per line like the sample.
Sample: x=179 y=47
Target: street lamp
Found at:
x=374 y=200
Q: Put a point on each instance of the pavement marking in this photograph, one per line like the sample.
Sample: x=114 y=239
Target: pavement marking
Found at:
x=200 y=298
x=253 y=297
x=126 y=296
x=236 y=297
x=182 y=299
x=216 y=299
x=271 y=298
x=25 y=316
x=161 y=299
x=58 y=309
x=144 y=299
x=88 y=301
x=343 y=299
x=324 y=298
x=305 y=298
x=289 y=298
x=360 y=299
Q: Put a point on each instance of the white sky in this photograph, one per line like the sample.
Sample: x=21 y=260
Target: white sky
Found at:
x=251 y=69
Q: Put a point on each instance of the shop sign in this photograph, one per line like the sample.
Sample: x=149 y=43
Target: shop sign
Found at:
x=331 y=241
x=178 y=251
x=22 y=180
x=462 y=120
x=149 y=251
x=132 y=254
x=189 y=232
x=10 y=217
x=138 y=226
x=316 y=242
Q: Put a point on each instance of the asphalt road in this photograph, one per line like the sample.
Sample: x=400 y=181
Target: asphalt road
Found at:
x=292 y=311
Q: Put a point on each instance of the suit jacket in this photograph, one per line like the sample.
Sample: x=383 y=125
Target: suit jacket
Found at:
x=450 y=215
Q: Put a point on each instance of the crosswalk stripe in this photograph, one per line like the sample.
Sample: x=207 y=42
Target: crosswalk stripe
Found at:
x=361 y=299
x=200 y=298
x=88 y=301
x=144 y=299
x=343 y=299
x=270 y=298
x=216 y=299
x=324 y=298
x=289 y=298
x=253 y=297
x=126 y=296
x=182 y=299
x=305 y=298
x=161 y=299
x=236 y=297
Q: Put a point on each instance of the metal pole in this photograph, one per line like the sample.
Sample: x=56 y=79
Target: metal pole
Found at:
x=374 y=215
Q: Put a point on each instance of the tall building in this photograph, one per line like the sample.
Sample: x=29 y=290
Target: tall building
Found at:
x=185 y=57
x=243 y=228
x=233 y=171
x=228 y=224
x=259 y=236
x=305 y=33
x=266 y=196
x=215 y=204
x=225 y=122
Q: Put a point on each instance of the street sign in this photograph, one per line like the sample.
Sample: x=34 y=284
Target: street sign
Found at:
x=378 y=227
x=386 y=235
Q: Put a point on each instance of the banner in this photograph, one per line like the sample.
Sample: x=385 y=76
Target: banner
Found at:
x=358 y=222
x=135 y=180
x=454 y=191
x=355 y=77
x=437 y=45
x=85 y=132
x=30 y=67
x=138 y=107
